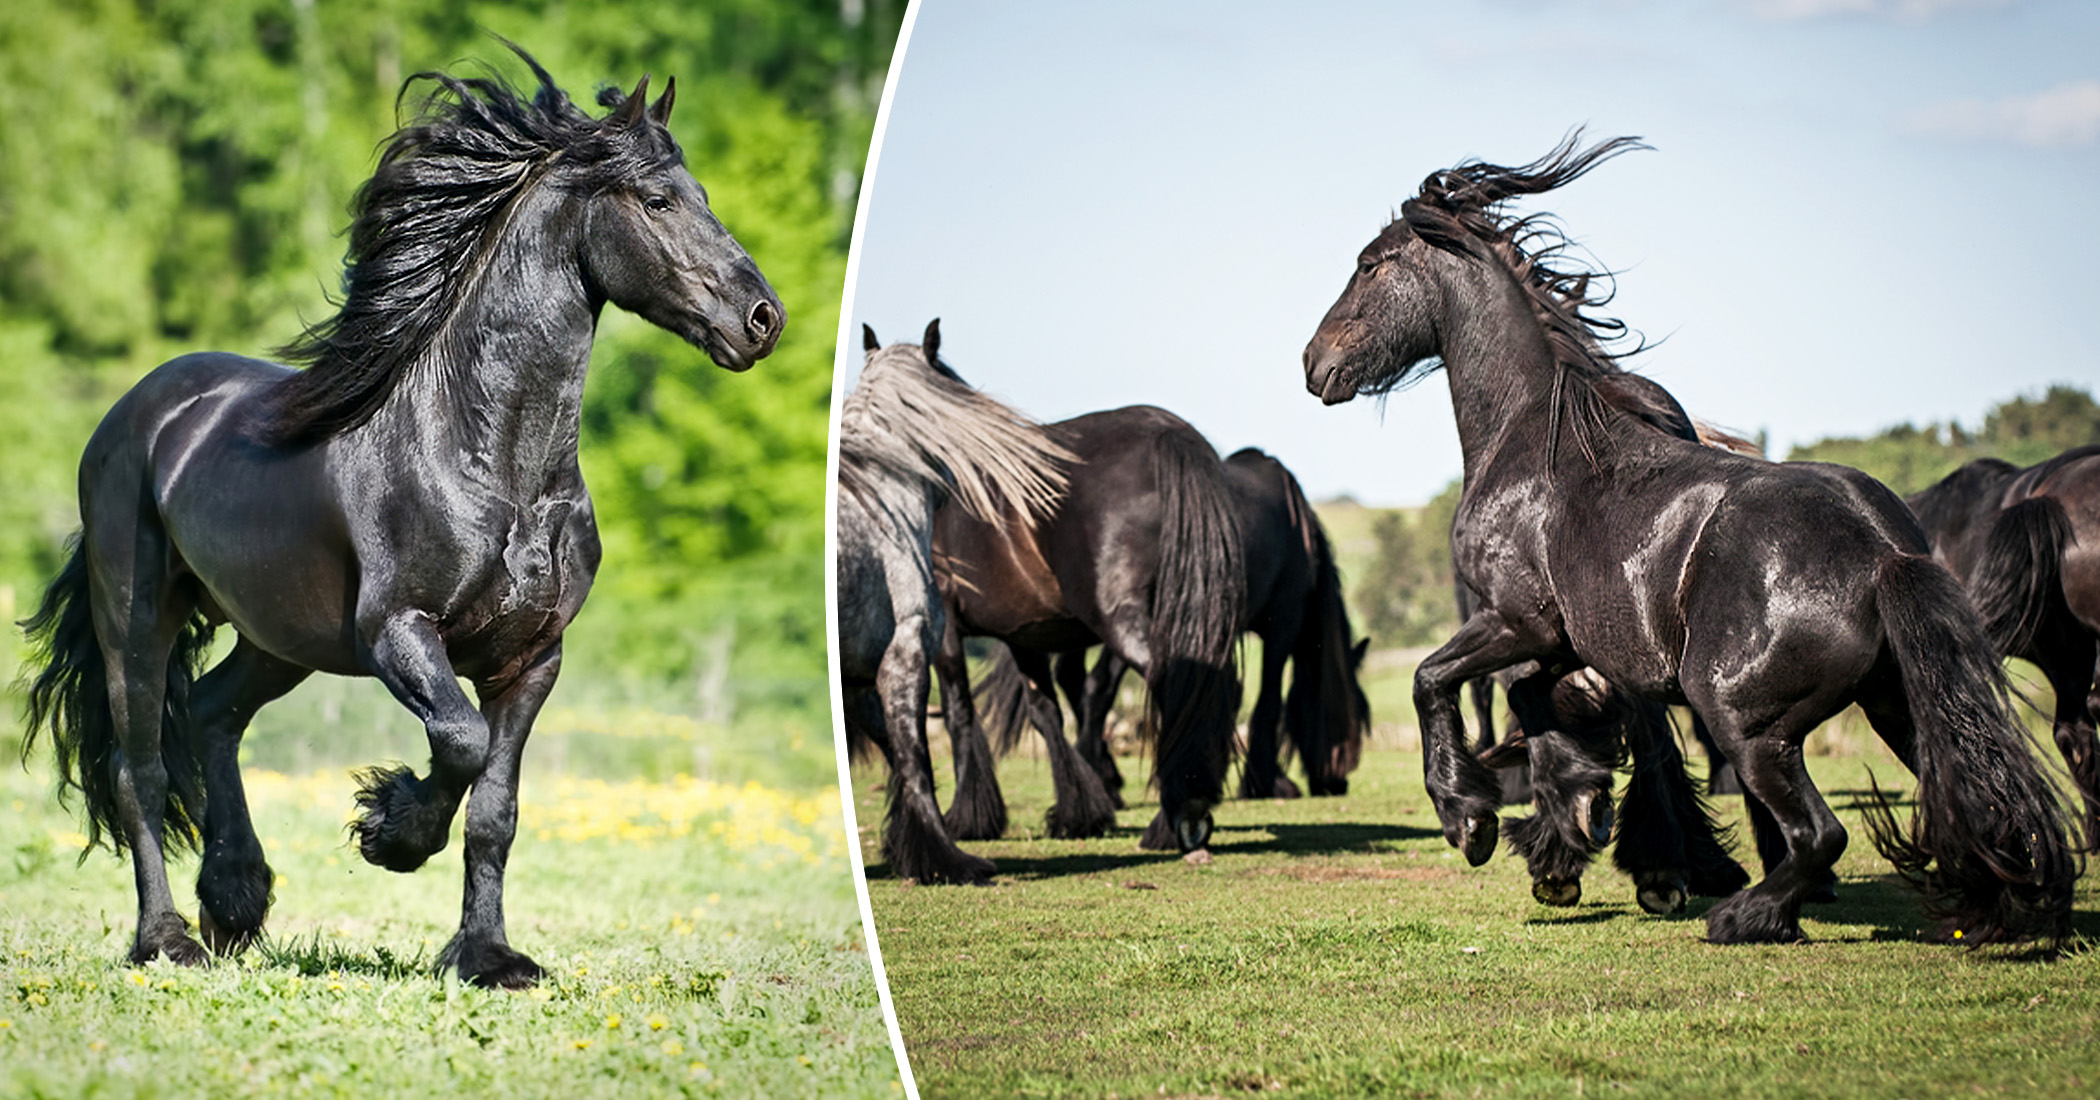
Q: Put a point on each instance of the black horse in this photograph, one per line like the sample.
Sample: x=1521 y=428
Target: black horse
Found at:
x=1294 y=605
x=408 y=507
x=1766 y=596
x=1143 y=555
x=913 y=436
x=2025 y=541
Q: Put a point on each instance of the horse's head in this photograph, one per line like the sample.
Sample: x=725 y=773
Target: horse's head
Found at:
x=653 y=247
x=1383 y=327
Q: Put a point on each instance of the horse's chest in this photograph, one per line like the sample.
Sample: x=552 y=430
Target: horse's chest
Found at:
x=532 y=585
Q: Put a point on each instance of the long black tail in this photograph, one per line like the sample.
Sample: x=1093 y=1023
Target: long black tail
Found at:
x=1320 y=718
x=1192 y=684
x=70 y=698
x=2020 y=579
x=1988 y=845
x=1001 y=695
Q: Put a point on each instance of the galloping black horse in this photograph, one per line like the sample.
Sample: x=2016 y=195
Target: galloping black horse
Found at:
x=912 y=437
x=1294 y=605
x=2028 y=544
x=408 y=507
x=1767 y=596
x=1143 y=556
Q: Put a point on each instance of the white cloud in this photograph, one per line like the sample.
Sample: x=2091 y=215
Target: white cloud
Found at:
x=1900 y=9
x=2063 y=116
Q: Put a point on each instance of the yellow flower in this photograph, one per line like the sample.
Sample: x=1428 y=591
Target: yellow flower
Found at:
x=138 y=978
x=612 y=1022
x=804 y=1059
x=582 y=1044
x=673 y=1048
x=657 y=1022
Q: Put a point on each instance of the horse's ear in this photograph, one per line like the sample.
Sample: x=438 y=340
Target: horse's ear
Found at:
x=631 y=109
x=868 y=342
x=931 y=342
x=661 y=109
x=1357 y=651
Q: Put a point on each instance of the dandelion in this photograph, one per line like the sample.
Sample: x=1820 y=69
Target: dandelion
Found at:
x=582 y=1044
x=672 y=1048
x=138 y=978
x=657 y=1022
x=36 y=999
x=804 y=1059
x=612 y=1022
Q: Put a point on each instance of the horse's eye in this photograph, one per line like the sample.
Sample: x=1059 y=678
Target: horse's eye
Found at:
x=1366 y=265
x=657 y=202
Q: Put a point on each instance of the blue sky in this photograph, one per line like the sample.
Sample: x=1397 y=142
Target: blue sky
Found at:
x=1857 y=213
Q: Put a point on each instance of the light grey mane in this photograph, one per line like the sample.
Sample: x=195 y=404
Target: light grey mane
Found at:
x=914 y=420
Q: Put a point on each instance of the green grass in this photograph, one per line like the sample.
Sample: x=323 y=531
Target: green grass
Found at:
x=1338 y=947
x=701 y=937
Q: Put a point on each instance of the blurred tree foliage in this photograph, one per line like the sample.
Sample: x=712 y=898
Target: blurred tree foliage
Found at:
x=1405 y=596
x=175 y=174
x=2022 y=431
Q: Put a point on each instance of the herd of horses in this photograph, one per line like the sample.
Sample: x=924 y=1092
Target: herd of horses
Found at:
x=1612 y=561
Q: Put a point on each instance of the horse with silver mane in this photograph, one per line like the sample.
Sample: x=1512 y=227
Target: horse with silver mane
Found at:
x=1766 y=596
x=408 y=507
x=912 y=436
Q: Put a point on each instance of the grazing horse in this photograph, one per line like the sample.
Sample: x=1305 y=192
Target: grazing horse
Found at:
x=408 y=507
x=1766 y=596
x=913 y=436
x=1294 y=605
x=2028 y=544
x=1142 y=555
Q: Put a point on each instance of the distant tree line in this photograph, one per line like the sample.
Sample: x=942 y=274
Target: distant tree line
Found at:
x=1404 y=595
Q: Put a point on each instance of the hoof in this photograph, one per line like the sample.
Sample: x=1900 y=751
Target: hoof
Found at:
x=395 y=827
x=233 y=898
x=170 y=937
x=1192 y=833
x=489 y=965
x=1559 y=893
x=1284 y=788
x=1661 y=896
x=1159 y=836
x=1063 y=824
x=1476 y=838
x=223 y=940
x=1749 y=918
x=1593 y=810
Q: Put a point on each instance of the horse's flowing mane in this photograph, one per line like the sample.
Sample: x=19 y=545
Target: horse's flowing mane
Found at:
x=1457 y=210
x=912 y=417
x=424 y=223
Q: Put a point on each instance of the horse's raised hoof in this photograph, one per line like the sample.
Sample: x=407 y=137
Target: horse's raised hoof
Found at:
x=169 y=936
x=1750 y=918
x=395 y=828
x=489 y=965
x=1192 y=833
x=1557 y=892
x=1662 y=894
x=1477 y=837
x=1594 y=811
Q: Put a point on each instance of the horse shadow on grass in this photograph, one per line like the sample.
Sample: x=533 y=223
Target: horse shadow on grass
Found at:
x=1118 y=850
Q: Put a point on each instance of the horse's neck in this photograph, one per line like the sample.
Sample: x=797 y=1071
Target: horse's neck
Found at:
x=496 y=401
x=1500 y=370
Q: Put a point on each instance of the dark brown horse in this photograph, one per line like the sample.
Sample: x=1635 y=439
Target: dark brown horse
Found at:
x=2027 y=542
x=1766 y=596
x=1142 y=555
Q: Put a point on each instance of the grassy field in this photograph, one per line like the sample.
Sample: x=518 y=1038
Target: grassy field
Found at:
x=1338 y=947
x=698 y=925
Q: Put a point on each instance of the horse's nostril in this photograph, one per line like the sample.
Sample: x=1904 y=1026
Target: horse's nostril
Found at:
x=764 y=320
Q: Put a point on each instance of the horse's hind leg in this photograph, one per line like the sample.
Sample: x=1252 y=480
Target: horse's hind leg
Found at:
x=2069 y=666
x=1668 y=843
x=1770 y=912
x=1260 y=775
x=977 y=809
x=1571 y=782
x=480 y=951
x=139 y=620
x=403 y=820
x=1082 y=808
x=1093 y=694
x=233 y=883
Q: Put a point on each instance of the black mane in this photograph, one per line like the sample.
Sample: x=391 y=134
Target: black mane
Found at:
x=423 y=223
x=1455 y=210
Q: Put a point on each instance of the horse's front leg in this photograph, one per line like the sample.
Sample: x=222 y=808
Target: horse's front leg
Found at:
x=480 y=951
x=403 y=820
x=1462 y=789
